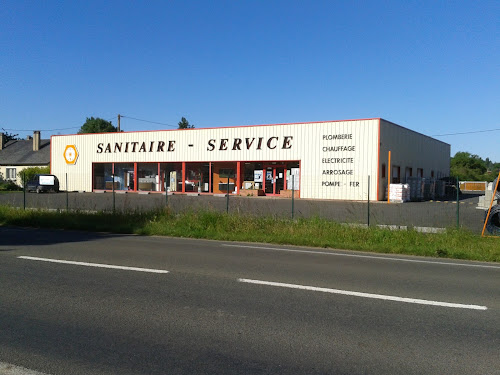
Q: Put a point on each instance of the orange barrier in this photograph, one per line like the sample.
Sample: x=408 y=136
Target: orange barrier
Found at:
x=473 y=185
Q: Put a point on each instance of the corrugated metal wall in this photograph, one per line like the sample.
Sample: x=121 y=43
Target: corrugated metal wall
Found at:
x=413 y=150
x=323 y=174
x=336 y=158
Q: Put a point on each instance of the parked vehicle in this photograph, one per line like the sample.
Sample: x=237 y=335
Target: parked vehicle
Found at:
x=43 y=183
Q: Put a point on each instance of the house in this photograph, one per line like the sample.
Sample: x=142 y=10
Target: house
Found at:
x=16 y=155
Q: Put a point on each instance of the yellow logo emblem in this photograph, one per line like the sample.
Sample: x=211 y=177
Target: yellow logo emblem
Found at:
x=70 y=154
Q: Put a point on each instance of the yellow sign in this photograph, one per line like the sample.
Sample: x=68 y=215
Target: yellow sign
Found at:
x=70 y=154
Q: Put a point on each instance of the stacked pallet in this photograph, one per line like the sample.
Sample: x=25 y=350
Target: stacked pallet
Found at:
x=440 y=189
x=429 y=189
x=399 y=193
x=416 y=188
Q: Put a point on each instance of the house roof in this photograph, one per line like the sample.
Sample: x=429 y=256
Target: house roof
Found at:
x=20 y=152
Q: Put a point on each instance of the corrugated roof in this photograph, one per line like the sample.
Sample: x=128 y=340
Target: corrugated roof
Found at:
x=20 y=152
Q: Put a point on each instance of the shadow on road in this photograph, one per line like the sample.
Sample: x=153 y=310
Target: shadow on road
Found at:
x=14 y=236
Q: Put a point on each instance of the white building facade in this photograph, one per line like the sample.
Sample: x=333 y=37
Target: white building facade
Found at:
x=346 y=160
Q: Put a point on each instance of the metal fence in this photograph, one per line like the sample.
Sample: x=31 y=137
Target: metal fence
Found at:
x=452 y=210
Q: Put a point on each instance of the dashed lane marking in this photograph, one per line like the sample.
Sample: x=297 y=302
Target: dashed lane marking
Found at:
x=365 y=295
x=98 y=265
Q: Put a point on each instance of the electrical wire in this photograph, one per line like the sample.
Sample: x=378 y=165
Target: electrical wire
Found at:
x=48 y=130
x=151 y=122
x=175 y=126
x=32 y=130
x=471 y=132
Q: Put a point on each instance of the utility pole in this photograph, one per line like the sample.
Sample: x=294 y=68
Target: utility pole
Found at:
x=119 y=123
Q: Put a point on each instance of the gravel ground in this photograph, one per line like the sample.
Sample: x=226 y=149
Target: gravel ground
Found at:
x=440 y=214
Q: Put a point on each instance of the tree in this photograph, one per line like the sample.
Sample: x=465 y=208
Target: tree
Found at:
x=472 y=168
x=10 y=137
x=184 y=124
x=97 y=125
x=28 y=173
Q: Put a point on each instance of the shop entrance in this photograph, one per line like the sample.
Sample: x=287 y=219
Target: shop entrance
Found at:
x=274 y=179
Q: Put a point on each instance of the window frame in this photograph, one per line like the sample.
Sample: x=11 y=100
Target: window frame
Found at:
x=8 y=175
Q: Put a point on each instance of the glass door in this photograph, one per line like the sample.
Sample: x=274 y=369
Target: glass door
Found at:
x=279 y=178
x=274 y=179
x=269 y=180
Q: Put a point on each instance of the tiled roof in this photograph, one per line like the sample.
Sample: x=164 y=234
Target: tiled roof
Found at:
x=20 y=152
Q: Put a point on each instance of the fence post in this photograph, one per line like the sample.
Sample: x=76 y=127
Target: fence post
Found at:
x=293 y=190
x=24 y=191
x=67 y=197
x=227 y=196
x=493 y=196
x=458 y=205
x=113 y=183
x=368 y=201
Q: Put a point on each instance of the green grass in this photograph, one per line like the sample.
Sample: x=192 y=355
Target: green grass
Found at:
x=316 y=232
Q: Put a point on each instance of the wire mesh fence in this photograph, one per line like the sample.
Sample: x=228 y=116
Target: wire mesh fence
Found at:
x=431 y=215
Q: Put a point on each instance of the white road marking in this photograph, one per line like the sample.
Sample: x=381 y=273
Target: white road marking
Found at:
x=365 y=256
x=365 y=295
x=8 y=369
x=94 y=265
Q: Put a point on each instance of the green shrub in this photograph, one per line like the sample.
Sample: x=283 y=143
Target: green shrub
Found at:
x=8 y=186
x=317 y=232
x=28 y=173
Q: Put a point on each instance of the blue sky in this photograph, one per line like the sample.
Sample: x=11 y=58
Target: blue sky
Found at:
x=431 y=66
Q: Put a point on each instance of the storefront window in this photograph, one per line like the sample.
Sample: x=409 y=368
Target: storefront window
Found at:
x=197 y=177
x=252 y=176
x=171 y=176
x=147 y=177
x=124 y=176
x=222 y=173
x=103 y=179
x=219 y=177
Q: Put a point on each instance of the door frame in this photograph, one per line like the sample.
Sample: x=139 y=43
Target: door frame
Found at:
x=273 y=166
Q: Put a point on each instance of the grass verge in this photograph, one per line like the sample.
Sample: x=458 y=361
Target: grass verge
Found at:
x=316 y=232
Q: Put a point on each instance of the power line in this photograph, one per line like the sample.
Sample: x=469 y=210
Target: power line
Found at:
x=48 y=130
x=32 y=130
x=472 y=132
x=151 y=122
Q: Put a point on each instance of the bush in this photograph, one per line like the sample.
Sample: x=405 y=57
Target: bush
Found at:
x=28 y=173
x=8 y=186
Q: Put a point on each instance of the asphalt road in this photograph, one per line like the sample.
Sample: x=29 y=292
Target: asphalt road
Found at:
x=214 y=312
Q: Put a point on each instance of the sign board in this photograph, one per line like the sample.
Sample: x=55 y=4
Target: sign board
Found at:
x=257 y=176
x=70 y=154
x=46 y=180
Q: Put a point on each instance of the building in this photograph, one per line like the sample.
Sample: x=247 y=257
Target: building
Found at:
x=346 y=160
x=16 y=155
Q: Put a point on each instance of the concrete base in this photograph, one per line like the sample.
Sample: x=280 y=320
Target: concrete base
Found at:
x=252 y=192
x=288 y=193
x=485 y=200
